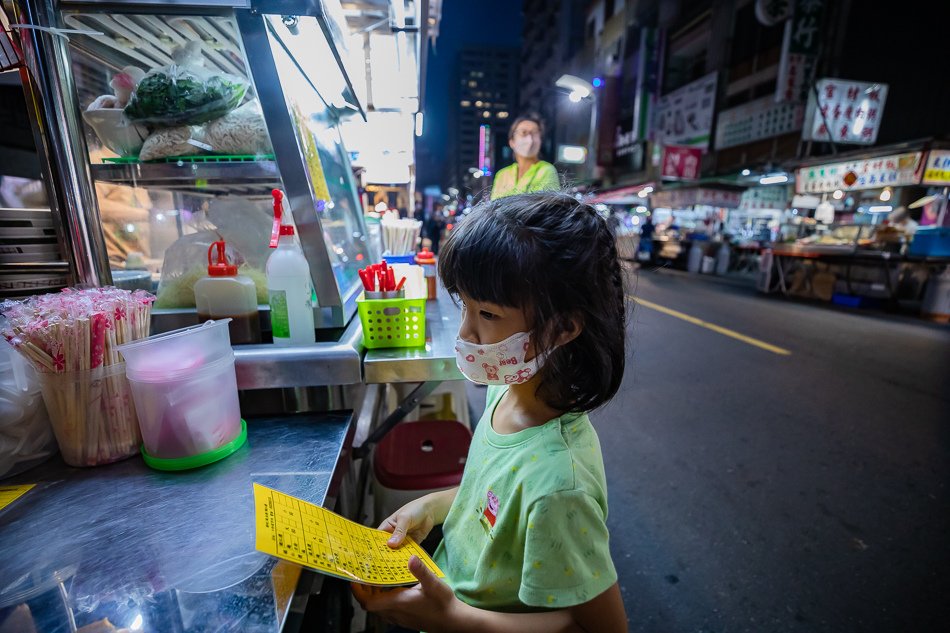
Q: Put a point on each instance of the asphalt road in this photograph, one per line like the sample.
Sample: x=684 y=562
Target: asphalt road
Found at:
x=757 y=491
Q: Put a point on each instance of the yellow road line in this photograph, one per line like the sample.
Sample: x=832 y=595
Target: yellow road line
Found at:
x=715 y=328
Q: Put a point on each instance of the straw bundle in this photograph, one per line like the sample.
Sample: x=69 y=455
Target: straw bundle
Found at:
x=400 y=235
x=71 y=339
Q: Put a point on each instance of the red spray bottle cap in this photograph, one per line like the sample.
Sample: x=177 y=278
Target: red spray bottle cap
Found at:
x=279 y=228
x=222 y=267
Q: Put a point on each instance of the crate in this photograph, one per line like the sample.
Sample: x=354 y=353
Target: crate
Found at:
x=393 y=322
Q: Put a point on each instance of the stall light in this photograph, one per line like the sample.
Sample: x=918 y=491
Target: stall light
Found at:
x=642 y=209
x=159 y=217
x=746 y=172
x=775 y=179
x=419 y=124
x=880 y=208
x=478 y=173
x=381 y=206
x=643 y=193
x=886 y=194
x=130 y=228
x=838 y=194
x=137 y=622
x=635 y=220
x=573 y=154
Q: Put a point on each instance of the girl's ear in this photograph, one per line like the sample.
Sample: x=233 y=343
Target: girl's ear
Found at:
x=569 y=328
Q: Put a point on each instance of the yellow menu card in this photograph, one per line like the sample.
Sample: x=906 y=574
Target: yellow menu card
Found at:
x=9 y=494
x=305 y=533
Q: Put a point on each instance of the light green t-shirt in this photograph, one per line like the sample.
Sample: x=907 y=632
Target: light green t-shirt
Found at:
x=542 y=176
x=527 y=530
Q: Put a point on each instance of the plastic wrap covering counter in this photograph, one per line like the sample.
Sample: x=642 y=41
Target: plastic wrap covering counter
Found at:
x=159 y=551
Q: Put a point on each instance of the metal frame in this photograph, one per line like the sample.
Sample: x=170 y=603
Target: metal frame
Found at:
x=58 y=128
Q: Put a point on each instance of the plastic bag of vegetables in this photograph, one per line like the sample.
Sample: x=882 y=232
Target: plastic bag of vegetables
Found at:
x=185 y=92
x=174 y=96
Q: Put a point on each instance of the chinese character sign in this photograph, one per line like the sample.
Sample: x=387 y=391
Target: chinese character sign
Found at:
x=685 y=116
x=680 y=163
x=872 y=173
x=762 y=118
x=844 y=111
x=937 y=171
x=799 y=51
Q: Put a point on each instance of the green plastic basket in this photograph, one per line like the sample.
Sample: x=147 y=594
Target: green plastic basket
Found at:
x=215 y=158
x=393 y=322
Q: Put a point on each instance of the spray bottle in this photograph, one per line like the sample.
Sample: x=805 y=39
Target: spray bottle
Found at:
x=289 y=286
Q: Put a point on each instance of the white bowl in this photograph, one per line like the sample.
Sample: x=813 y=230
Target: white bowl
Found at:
x=115 y=131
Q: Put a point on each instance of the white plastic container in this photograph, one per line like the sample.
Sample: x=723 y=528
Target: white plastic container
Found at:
x=224 y=294
x=185 y=391
x=289 y=286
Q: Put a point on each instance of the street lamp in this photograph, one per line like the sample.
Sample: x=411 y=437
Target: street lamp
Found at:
x=578 y=90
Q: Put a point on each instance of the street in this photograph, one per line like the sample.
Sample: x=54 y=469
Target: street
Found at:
x=785 y=470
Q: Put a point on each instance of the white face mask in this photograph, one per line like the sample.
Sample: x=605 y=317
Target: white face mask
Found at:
x=499 y=363
x=527 y=146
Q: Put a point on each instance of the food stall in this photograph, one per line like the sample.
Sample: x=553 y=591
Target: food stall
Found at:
x=690 y=215
x=264 y=88
x=859 y=248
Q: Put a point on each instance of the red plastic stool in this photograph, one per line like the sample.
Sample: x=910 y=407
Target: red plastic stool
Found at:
x=416 y=458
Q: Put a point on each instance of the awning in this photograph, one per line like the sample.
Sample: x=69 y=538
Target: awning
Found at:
x=623 y=195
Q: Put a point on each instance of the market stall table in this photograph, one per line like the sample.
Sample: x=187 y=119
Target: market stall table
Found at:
x=158 y=551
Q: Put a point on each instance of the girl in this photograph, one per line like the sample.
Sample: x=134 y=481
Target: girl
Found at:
x=525 y=543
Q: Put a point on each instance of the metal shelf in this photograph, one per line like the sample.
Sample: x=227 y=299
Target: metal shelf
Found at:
x=241 y=178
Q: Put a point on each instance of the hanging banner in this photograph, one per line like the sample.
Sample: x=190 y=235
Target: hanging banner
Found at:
x=685 y=116
x=682 y=198
x=844 y=111
x=871 y=173
x=680 y=163
x=937 y=171
x=800 y=51
x=756 y=120
x=648 y=81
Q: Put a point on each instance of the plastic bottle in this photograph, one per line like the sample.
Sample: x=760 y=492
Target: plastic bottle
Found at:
x=226 y=294
x=426 y=259
x=289 y=286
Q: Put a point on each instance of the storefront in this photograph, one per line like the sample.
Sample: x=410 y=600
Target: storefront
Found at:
x=273 y=95
x=857 y=246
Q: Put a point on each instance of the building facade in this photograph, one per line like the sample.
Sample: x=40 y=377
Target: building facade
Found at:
x=485 y=104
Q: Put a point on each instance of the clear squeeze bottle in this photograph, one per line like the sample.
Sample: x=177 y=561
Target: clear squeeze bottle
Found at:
x=226 y=294
x=289 y=286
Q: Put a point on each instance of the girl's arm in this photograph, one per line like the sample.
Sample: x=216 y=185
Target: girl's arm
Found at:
x=417 y=518
x=432 y=606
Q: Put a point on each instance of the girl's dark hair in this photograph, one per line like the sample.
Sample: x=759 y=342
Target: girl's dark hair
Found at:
x=555 y=258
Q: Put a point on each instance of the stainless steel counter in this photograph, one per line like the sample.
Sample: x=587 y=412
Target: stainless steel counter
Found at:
x=434 y=362
x=162 y=552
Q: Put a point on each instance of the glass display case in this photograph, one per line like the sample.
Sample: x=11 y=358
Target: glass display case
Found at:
x=190 y=115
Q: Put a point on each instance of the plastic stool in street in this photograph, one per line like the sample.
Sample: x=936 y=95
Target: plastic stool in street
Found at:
x=417 y=458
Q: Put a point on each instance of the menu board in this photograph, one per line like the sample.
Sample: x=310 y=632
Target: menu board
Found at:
x=304 y=533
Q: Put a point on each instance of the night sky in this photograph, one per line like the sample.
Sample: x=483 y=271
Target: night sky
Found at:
x=489 y=22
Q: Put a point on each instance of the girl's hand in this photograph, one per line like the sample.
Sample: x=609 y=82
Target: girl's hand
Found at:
x=430 y=606
x=415 y=519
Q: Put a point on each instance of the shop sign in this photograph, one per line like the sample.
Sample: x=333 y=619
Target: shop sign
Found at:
x=771 y=12
x=885 y=171
x=756 y=120
x=628 y=151
x=844 y=111
x=800 y=51
x=682 y=198
x=685 y=116
x=680 y=163
x=937 y=171
x=771 y=197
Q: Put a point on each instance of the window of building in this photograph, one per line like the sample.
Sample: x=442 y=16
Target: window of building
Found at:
x=473 y=84
x=465 y=103
x=502 y=115
x=486 y=114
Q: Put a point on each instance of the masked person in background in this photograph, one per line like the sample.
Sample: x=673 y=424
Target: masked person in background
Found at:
x=528 y=173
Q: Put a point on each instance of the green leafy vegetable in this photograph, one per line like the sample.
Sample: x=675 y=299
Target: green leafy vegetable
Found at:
x=177 y=97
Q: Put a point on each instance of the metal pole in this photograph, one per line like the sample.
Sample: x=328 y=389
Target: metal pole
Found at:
x=592 y=140
x=54 y=113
